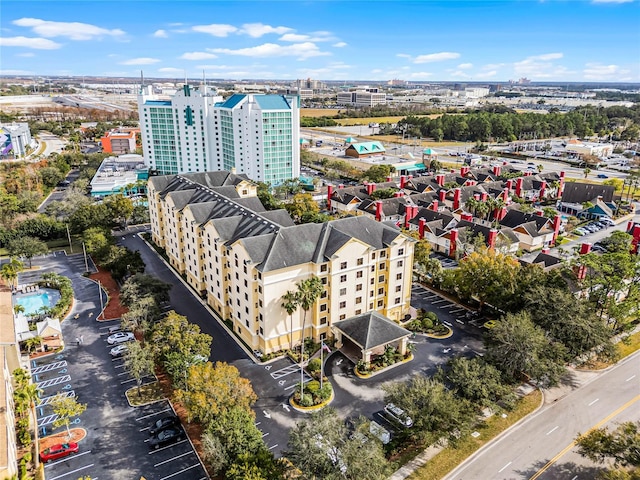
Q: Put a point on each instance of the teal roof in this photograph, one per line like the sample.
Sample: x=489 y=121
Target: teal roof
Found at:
x=233 y=100
x=304 y=140
x=428 y=151
x=272 y=102
x=368 y=147
x=412 y=168
x=166 y=103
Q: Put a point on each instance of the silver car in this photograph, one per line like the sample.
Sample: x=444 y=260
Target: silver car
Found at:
x=120 y=337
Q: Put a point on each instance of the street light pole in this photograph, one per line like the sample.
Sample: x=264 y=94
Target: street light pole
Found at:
x=69 y=237
x=100 y=293
x=86 y=264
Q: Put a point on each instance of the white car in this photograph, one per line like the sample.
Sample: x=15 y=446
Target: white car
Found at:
x=607 y=221
x=399 y=415
x=119 y=350
x=120 y=337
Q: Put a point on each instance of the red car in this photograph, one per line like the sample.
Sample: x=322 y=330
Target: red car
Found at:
x=54 y=452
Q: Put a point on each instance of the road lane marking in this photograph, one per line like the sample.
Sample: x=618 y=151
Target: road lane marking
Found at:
x=271 y=448
x=66 y=458
x=552 y=430
x=594 y=401
x=630 y=378
x=180 y=471
x=153 y=414
x=171 y=459
x=573 y=444
x=72 y=471
x=504 y=467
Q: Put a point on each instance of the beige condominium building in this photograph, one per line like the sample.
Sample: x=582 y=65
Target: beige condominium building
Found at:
x=242 y=259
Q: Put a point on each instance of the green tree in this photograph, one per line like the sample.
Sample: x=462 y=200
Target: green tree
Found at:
x=66 y=408
x=214 y=389
x=175 y=333
x=141 y=285
x=51 y=176
x=487 y=276
x=478 y=381
x=140 y=315
x=290 y=305
x=309 y=290
x=97 y=241
x=436 y=411
x=269 y=201
x=10 y=270
x=138 y=362
x=621 y=446
x=120 y=208
x=517 y=347
x=300 y=205
x=27 y=247
x=377 y=173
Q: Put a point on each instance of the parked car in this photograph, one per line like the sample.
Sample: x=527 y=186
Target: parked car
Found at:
x=600 y=225
x=114 y=329
x=602 y=175
x=61 y=450
x=169 y=421
x=119 y=350
x=399 y=415
x=166 y=437
x=580 y=231
x=120 y=337
x=607 y=221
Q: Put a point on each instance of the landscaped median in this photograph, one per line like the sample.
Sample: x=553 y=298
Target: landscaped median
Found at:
x=450 y=457
x=317 y=394
x=360 y=371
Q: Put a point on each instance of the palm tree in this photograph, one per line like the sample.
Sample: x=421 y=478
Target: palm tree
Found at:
x=586 y=172
x=290 y=303
x=17 y=308
x=309 y=290
x=10 y=271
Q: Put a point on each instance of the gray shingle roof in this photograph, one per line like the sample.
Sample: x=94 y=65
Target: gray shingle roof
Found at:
x=576 y=192
x=371 y=329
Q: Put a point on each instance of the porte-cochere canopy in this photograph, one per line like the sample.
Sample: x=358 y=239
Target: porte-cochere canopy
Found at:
x=370 y=333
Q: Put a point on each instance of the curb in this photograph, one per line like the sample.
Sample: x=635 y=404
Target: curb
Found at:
x=382 y=370
x=202 y=302
x=315 y=408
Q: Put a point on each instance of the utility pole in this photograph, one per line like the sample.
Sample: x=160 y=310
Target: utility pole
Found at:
x=69 y=237
x=86 y=263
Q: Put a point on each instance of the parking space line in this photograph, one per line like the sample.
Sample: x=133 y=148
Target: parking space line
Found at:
x=283 y=372
x=66 y=459
x=42 y=421
x=174 y=458
x=438 y=301
x=48 y=400
x=153 y=414
x=50 y=366
x=53 y=381
x=72 y=471
x=180 y=471
x=271 y=448
x=164 y=448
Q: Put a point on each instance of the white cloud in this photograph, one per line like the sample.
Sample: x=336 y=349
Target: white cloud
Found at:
x=171 y=70
x=419 y=75
x=436 y=57
x=339 y=45
x=16 y=72
x=299 y=50
x=316 y=37
x=403 y=55
x=197 y=56
x=465 y=66
x=140 y=61
x=215 y=29
x=29 y=42
x=488 y=74
x=492 y=66
x=597 y=71
x=541 y=66
x=460 y=74
x=160 y=34
x=71 y=30
x=257 y=30
x=26 y=54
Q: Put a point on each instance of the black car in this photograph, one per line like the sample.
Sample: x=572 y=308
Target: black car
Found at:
x=166 y=437
x=163 y=424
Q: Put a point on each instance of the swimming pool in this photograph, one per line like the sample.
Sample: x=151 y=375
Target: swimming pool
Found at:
x=33 y=302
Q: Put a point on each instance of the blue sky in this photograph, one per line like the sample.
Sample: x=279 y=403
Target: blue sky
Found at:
x=546 y=40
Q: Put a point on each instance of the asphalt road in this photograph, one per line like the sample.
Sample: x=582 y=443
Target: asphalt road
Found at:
x=541 y=447
x=273 y=382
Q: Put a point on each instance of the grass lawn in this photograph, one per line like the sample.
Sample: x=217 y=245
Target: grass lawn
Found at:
x=318 y=112
x=449 y=457
x=149 y=393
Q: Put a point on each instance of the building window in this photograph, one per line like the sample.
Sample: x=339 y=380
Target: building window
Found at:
x=324 y=280
x=380 y=291
x=358 y=287
x=359 y=274
x=343 y=265
x=343 y=291
x=381 y=278
x=323 y=320
x=398 y=288
x=398 y=276
x=373 y=268
x=397 y=300
x=343 y=316
x=382 y=266
x=383 y=254
x=343 y=278
x=401 y=251
x=343 y=304
x=323 y=294
x=358 y=312
x=323 y=267
x=399 y=263
x=323 y=307
x=360 y=261
x=380 y=303
x=358 y=300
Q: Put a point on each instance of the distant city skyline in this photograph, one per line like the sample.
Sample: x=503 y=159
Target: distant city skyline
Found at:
x=475 y=41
